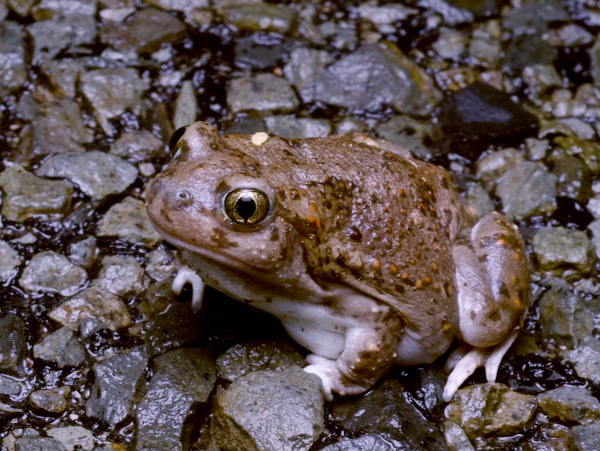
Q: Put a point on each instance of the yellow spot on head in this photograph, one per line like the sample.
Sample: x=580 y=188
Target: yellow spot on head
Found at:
x=501 y=241
x=418 y=284
x=376 y=265
x=435 y=267
x=393 y=269
x=446 y=326
x=259 y=138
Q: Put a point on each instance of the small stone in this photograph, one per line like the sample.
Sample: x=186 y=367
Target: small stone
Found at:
x=186 y=106
x=269 y=410
x=83 y=252
x=116 y=381
x=186 y=378
x=47 y=9
x=13 y=346
x=585 y=437
x=260 y=16
x=8 y=386
x=38 y=444
x=10 y=260
x=144 y=31
x=52 y=272
x=479 y=115
x=107 y=308
x=62 y=75
x=293 y=127
x=303 y=67
x=105 y=174
x=74 y=438
x=13 y=70
x=160 y=264
x=586 y=359
x=533 y=179
x=563 y=251
x=138 y=146
x=490 y=408
x=121 y=275
x=51 y=400
x=570 y=404
x=263 y=92
x=112 y=92
x=27 y=196
x=60 y=347
x=128 y=220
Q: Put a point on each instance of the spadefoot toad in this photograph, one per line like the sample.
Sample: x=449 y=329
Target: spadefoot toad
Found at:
x=367 y=255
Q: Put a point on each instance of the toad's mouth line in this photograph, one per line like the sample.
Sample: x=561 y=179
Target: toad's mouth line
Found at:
x=211 y=256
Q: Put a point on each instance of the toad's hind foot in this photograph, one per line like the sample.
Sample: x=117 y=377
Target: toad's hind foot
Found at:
x=473 y=359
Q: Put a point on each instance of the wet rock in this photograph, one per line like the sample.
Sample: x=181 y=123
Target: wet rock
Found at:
x=121 y=275
x=533 y=16
x=160 y=264
x=143 y=32
x=21 y=7
x=60 y=347
x=529 y=50
x=116 y=381
x=13 y=346
x=178 y=5
x=138 y=146
x=62 y=76
x=573 y=177
x=186 y=378
x=480 y=115
x=384 y=410
x=594 y=227
x=38 y=444
x=52 y=272
x=73 y=438
x=595 y=62
x=260 y=16
x=50 y=37
x=242 y=359
x=10 y=260
x=588 y=151
x=563 y=251
x=586 y=358
x=263 y=92
x=52 y=400
x=107 y=308
x=585 y=437
x=269 y=411
x=453 y=15
x=564 y=317
x=303 y=67
x=290 y=126
x=186 y=106
x=173 y=324
x=367 y=442
x=105 y=174
x=7 y=411
x=27 y=196
x=13 y=70
x=8 y=386
x=533 y=179
x=384 y=17
x=260 y=51
x=409 y=133
x=55 y=127
x=491 y=408
x=374 y=76
x=570 y=404
x=111 y=92
x=83 y=252
x=450 y=44
x=343 y=36
x=456 y=438
x=128 y=220
x=47 y=9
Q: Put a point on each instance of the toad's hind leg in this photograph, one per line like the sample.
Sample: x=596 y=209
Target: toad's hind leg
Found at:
x=493 y=288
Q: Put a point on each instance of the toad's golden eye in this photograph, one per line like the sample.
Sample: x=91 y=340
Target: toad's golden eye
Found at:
x=247 y=206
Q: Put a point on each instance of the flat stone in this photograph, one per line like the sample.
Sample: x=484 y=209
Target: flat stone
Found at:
x=559 y=249
x=105 y=174
x=107 y=308
x=60 y=347
x=569 y=404
x=138 y=146
x=10 y=260
x=116 y=381
x=128 y=220
x=13 y=69
x=49 y=271
x=52 y=400
x=262 y=92
x=38 y=444
x=73 y=438
x=289 y=126
x=121 y=275
x=27 y=196
x=259 y=16
x=13 y=346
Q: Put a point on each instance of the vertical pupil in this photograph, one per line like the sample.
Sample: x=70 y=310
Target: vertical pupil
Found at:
x=245 y=207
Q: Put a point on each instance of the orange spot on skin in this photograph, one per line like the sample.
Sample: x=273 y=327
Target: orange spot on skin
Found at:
x=426 y=280
x=501 y=241
x=418 y=284
x=434 y=267
x=446 y=326
x=376 y=265
x=393 y=269
x=404 y=276
x=341 y=185
x=312 y=207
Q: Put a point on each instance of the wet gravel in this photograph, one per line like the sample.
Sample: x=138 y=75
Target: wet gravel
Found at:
x=97 y=353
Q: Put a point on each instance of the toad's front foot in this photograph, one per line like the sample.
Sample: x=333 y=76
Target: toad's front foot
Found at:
x=184 y=276
x=331 y=377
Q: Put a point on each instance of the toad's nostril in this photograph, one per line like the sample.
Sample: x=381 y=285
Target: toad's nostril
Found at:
x=183 y=198
x=183 y=195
